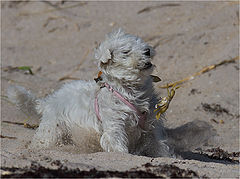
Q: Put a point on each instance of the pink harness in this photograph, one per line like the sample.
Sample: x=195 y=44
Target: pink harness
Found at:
x=142 y=117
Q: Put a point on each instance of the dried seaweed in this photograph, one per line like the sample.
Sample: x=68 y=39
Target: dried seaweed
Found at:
x=202 y=71
x=220 y=154
x=216 y=109
x=167 y=171
x=36 y=170
x=194 y=91
x=25 y=69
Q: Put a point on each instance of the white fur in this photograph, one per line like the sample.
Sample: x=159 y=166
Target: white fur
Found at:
x=122 y=60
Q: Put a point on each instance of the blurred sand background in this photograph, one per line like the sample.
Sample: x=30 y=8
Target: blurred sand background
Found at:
x=57 y=39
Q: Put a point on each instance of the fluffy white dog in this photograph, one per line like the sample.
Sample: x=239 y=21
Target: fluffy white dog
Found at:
x=118 y=106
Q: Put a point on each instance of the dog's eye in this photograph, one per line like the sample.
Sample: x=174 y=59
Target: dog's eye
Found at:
x=147 y=52
x=126 y=52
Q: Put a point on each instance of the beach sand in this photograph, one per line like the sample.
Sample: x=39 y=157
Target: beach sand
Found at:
x=57 y=40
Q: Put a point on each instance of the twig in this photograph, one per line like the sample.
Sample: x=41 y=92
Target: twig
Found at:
x=53 y=9
x=204 y=70
x=49 y=19
x=7 y=137
x=29 y=126
x=147 y=9
x=53 y=29
x=26 y=125
x=68 y=78
x=10 y=122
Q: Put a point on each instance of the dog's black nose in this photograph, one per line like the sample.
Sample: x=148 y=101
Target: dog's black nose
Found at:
x=147 y=52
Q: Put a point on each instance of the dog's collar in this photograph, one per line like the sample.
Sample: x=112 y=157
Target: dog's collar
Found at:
x=142 y=116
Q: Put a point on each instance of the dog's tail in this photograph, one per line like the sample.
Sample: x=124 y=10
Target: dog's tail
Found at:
x=190 y=136
x=23 y=99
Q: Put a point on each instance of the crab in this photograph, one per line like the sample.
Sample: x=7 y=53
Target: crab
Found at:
x=162 y=107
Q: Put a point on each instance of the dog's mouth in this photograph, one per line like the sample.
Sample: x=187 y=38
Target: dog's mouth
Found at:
x=147 y=66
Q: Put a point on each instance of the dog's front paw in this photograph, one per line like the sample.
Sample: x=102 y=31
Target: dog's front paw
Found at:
x=111 y=144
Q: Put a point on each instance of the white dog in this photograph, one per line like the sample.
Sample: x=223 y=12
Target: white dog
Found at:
x=118 y=106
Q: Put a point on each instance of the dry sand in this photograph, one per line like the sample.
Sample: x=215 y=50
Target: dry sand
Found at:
x=58 y=39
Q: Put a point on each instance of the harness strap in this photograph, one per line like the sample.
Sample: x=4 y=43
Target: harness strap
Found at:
x=142 y=117
x=97 y=108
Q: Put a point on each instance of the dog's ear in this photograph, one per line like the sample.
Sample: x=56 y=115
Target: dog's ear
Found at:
x=106 y=56
x=106 y=59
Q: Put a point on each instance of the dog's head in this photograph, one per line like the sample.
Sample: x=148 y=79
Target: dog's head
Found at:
x=124 y=57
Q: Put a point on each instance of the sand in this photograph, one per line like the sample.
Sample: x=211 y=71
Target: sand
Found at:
x=58 y=39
